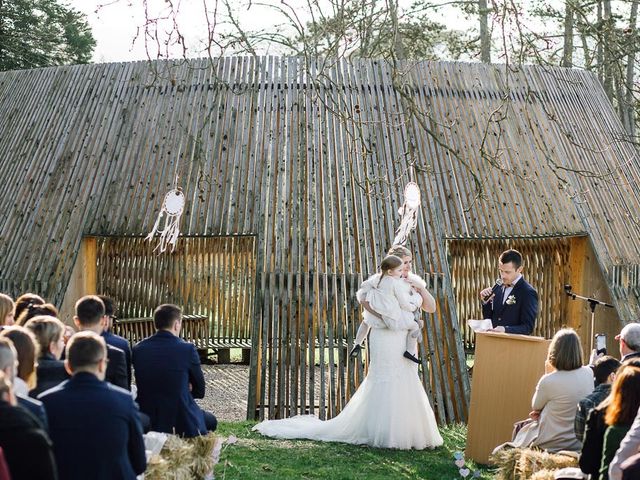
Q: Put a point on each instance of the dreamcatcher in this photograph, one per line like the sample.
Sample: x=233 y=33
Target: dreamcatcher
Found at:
x=408 y=213
x=172 y=207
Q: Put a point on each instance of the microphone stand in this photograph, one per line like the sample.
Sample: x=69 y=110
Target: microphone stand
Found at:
x=593 y=303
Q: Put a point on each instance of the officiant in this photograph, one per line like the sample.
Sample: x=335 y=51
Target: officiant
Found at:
x=512 y=304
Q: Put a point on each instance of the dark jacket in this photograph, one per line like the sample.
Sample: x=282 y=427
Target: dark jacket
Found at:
x=518 y=317
x=123 y=344
x=50 y=373
x=587 y=404
x=165 y=366
x=591 y=455
x=117 y=368
x=36 y=408
x=95 y=430
x=613 y=436
x=26 y=446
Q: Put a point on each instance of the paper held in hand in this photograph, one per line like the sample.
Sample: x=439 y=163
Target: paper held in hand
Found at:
x=480 y=325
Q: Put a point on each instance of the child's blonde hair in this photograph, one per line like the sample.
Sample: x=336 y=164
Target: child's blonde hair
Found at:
x=389 y=263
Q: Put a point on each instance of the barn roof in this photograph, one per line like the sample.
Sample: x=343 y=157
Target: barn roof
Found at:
x=265 y=146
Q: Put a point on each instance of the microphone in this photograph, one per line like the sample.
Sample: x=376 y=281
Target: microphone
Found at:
x=495 y=287
x=567 y=290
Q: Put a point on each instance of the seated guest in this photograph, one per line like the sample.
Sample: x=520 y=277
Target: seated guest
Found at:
x=90 y=317
x=26 y=446
x=49 y=334
x=622 y=409
x=626 y=462
x=24 y=301
x=629 y=341
x=27 y=351
x=566 y=382
x=111 y=338
x=604 y=372
x=33 y=311
x=595 y=427
x=19 y=365
x=94 y=425
x=169 y=377
x=6 y=310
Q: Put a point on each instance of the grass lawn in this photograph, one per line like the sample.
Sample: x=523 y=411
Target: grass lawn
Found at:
x=256 y=457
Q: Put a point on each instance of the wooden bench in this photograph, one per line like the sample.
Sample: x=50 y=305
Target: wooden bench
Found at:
x=195 y=329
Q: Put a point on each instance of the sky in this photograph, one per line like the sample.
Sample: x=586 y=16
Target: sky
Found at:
x=115 y=24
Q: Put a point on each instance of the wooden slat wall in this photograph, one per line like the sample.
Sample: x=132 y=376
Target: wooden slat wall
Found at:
x=210 y=276
x=284 y=150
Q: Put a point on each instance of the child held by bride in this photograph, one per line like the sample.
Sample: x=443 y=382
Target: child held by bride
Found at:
x=387 y=294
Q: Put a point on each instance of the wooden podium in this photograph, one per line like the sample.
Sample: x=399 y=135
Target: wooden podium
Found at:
x=506 y=371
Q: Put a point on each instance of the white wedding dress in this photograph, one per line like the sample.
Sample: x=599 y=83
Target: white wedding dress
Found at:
x=390 y=409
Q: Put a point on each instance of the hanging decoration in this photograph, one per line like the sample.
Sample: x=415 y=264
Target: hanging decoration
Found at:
x=408 y=213
x=172 y=208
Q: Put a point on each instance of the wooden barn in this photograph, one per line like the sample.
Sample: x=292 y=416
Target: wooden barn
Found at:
x=293 y=173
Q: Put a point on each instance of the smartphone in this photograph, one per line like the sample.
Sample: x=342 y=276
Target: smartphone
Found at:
x=601 y=343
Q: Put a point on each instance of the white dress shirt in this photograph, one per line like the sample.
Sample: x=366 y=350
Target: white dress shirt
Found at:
x=507 y=290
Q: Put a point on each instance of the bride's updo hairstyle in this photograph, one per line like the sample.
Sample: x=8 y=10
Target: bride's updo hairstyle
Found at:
x=389 y=263
x=399 y=251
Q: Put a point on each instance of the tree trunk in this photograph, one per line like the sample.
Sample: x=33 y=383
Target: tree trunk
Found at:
x=485 y=36
x=607 y=45
x=588 y=59
x=567 y=53
x=1 y=33
x=599 y=49
x=398 y=47
x=628 y=102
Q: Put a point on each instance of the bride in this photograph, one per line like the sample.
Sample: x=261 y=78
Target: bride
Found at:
x=390 y=409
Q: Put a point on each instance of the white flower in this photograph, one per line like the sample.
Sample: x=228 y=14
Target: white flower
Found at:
x=511 y=300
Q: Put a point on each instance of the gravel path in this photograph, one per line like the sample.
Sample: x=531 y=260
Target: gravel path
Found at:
x=227 y=391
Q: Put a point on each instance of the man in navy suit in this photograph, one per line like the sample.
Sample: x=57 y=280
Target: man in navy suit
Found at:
x=93 y=424
x=512 y=306
x=90 y=317
x=111 y=338
x=169 y=377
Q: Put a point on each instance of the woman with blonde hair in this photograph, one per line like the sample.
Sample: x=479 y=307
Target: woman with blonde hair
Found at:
x=567 y=381
x=49 y=332
x=6 y=310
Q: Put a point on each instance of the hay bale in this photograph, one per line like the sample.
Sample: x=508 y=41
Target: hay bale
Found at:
x=544 y=475
x=183 y=459
x=522 y=464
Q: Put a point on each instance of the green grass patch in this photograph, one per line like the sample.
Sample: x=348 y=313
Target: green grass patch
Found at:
x=255 y=456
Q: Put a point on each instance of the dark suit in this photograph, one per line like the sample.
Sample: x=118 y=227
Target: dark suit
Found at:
x=50 y=373
x=518 y=317
x=27 y=448
x=95 y=430
x=117 y=368
x=165 y=366
x=123 y=344
x=630 y=356
x=36 y=408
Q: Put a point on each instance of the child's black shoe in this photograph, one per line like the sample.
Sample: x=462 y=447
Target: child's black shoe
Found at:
x=411 y=357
